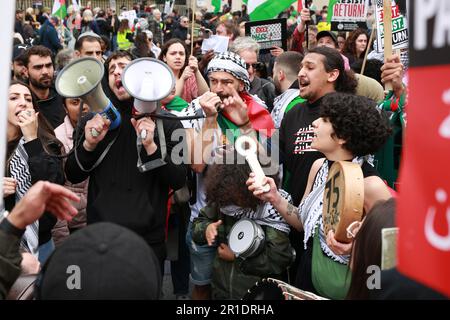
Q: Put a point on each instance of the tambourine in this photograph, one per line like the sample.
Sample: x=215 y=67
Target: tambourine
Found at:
x=273 y=289
x=343 y=198
x=246 y=238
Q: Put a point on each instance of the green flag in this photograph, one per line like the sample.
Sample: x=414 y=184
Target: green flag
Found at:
x=59 y=9
x=267 y=9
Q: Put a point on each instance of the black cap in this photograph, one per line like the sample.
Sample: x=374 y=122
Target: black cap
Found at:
x=18 y=51
x=110 y=261
x=326 y=33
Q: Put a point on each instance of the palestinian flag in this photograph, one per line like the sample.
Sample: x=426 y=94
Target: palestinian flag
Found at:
x=216 y=4
x=267 y=9
x=59 y=9
x=259 y=117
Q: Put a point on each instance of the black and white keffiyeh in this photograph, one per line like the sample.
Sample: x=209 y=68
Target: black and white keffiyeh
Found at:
x=265 y=214
x=20 y=171
x=232 y=63
x=310 y=211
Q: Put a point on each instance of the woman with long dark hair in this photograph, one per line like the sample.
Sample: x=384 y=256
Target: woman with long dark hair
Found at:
x=356 y=45
x=30 y=158
x=190 y=82
x=142 y=46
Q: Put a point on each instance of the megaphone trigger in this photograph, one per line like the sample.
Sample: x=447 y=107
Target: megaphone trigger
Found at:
x=143 y=134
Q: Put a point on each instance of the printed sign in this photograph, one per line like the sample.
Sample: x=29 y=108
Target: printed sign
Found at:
x=423 y=214
x=268 y=33
x=130 y=15
x=347 y=15
x=399 y=26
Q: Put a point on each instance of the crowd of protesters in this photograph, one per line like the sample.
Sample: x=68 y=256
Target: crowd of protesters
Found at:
x=313 y=94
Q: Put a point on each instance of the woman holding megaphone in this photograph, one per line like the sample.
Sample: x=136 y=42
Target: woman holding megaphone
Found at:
x=29 y=158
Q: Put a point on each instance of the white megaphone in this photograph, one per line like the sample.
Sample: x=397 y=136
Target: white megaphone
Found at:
x=81 y=79
x=148 y=81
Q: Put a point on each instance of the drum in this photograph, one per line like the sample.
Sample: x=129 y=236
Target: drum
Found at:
x=273 y=289
x=246 y=238
x=343 y=198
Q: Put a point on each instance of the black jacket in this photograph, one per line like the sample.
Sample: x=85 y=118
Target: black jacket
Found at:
x=265 y=90
x=52 y=108
x=118 y=192
x=45 y=167
x=10 y=258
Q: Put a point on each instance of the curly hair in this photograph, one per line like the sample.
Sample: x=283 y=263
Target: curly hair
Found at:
x=357 y=120
x=225 y=183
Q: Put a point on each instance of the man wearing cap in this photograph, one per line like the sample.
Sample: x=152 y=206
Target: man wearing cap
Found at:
x=329 y=39
x=240 y=113
x=19 y=70
x=88 y=45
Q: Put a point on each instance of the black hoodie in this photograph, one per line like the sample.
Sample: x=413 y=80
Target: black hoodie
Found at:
x=118 y=192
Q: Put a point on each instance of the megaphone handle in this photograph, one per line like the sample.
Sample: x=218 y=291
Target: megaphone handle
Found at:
x=143 y=134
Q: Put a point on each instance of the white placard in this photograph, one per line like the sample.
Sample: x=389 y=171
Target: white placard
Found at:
x=217 y=43
x=130 y=15
x=7 y=7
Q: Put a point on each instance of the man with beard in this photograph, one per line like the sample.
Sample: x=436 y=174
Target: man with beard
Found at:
x=19 y=70
x=285 y=71
x=119 y=191
x=39 y=64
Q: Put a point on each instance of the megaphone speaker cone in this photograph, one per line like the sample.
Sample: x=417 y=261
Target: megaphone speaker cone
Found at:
x=79 y=77
x=148 y=79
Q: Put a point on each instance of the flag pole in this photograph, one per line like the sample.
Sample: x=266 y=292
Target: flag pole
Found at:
x=194 y=3
x=369 y=44
x=387 y=24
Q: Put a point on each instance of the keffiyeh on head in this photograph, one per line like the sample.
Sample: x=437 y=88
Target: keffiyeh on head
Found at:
x=232 y=63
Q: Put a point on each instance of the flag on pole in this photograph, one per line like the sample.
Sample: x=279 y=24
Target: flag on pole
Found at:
x=216 y=4
x=59 y=9
x=300 y=6
x=267 y=9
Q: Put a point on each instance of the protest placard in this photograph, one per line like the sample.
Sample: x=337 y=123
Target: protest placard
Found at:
x=268 y=33
x=424 y=204
x=347 y=15
x=399 y=25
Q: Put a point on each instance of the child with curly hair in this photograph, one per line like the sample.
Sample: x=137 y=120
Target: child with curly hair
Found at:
x=229 y=201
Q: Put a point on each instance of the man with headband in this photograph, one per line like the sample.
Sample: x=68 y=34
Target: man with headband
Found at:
x=229 y=112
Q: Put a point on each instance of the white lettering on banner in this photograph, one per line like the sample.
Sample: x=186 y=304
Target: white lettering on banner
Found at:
x=444 y=128
x=436 y=240
x=426 y=10
x=399 y=28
